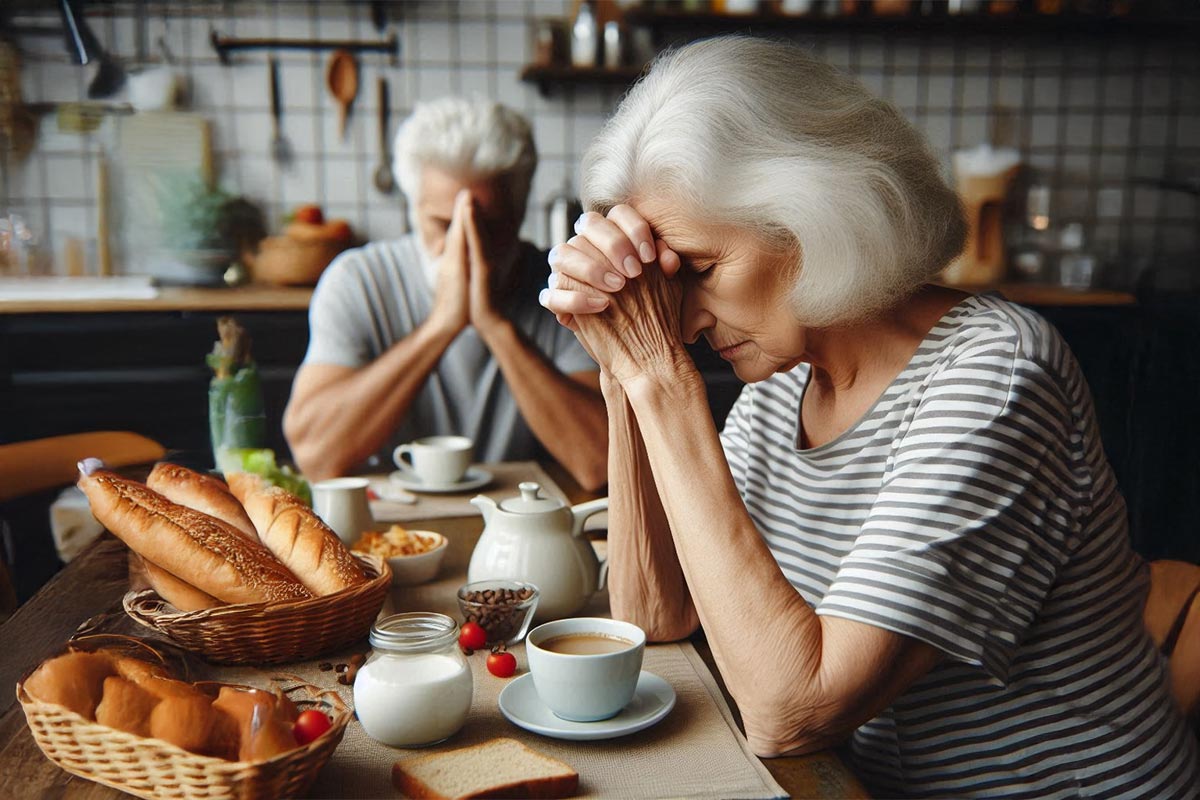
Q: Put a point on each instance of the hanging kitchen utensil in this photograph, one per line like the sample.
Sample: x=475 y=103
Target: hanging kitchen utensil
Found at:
x=279 y=145
x=342 y=78
x=385 y=182
x=83 y=49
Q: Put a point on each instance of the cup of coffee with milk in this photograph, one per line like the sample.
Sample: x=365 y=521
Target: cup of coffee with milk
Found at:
x=435 y=460
x=585 y=669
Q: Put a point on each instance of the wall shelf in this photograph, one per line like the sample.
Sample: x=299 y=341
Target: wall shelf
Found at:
x=1014 y=24
x=549 y=77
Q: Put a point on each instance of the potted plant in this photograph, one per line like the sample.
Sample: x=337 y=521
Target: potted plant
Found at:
x=203 y=227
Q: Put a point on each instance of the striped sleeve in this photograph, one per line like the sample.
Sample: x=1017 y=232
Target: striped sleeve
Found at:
x=977 y=512
x=735 y=436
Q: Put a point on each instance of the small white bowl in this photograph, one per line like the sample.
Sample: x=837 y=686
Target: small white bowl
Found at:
x=411 y=570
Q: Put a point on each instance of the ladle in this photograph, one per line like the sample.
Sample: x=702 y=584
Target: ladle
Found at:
x=384 y=181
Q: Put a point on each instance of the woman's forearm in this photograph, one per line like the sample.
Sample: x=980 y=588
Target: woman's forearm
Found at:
x=765 y=638
x=645 y=580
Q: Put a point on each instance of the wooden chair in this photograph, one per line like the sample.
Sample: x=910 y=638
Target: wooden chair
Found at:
x=1172 y=616
x=39 y=467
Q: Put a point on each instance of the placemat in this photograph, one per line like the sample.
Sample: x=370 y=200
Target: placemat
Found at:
x=696 y=751
x=505 y=478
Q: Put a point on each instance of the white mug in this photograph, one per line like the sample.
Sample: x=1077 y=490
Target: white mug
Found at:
x=435 y=459
x=342 y=504
x=585 y=688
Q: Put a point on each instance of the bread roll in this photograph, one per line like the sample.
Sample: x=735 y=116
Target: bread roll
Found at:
x=201 y=492
x=297 y=536
x=263 y=723
x=126 y=706
x=154 y=678
x=204 y=551
x=178 y=593
x=73 y=680
x=186 y=722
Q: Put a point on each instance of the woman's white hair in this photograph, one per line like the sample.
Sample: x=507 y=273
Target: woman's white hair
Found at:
x=471 y=139
x=759 y=135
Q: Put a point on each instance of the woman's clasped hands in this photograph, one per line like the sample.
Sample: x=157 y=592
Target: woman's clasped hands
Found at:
x=612 y=284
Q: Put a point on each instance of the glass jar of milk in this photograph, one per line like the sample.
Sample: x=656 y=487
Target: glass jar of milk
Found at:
x=415 y=688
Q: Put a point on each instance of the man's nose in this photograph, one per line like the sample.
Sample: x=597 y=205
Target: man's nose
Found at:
x=694 y=318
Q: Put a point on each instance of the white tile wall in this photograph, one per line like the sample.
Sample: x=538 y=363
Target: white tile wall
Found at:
x=1082 y=114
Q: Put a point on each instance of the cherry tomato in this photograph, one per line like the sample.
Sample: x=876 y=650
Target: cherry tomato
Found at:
x=310 y=215
x=472 y=637
x=309 y=725
x=501 y=663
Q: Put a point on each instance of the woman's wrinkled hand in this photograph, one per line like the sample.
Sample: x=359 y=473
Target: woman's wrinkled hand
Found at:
x=604 y=255
x=638 y=333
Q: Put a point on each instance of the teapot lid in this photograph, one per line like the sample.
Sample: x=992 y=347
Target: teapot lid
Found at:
x=529 y=502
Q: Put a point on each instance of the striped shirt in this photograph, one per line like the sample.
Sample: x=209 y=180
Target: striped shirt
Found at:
x=972 y=508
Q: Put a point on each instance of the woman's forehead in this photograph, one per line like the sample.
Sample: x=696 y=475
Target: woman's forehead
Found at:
x=682 y=229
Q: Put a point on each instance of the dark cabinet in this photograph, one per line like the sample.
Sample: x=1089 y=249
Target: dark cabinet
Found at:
x=144 y=372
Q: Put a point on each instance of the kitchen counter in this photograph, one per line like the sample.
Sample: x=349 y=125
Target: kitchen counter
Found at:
x=255 y=297
x=262 y=297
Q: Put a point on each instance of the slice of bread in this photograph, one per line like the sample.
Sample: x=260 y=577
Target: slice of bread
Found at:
x=495 y=768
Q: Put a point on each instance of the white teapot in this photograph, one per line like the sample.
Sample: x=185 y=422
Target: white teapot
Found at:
x=539 y=540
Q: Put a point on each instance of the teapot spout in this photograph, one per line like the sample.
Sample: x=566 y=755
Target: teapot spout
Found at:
x=486 y=506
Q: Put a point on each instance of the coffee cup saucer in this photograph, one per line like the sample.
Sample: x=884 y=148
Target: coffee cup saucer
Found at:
x=473 y=478
x=652 y=700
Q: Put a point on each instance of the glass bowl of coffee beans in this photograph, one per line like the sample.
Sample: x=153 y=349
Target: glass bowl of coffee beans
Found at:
x=503 y=609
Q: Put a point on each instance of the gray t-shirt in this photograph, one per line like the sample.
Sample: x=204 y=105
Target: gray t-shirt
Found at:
x=374 y=296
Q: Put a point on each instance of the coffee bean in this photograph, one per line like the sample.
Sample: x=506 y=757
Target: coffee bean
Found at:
x=495 y=610
x=340 y=668
x=325 y=666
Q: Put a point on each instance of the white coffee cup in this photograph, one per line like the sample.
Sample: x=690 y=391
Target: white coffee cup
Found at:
x=585 y=688
x=436 y=460
x=342 y=504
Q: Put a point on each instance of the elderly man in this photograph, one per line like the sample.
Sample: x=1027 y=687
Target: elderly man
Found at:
x=440 y=332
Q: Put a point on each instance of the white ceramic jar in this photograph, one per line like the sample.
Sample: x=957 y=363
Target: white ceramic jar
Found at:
x=415 y=688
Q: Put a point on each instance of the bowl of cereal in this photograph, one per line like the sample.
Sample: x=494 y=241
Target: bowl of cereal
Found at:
x=414 y=556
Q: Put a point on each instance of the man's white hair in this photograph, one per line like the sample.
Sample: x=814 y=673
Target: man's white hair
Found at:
x=471 y=139
x=759 y=135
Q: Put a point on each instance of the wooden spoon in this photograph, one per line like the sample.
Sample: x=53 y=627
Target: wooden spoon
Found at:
x=342 y=79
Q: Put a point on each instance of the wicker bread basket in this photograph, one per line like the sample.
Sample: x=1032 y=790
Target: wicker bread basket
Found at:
x=152 y=768
x=275 y=633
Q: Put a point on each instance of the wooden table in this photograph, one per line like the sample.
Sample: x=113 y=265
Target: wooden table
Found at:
x=94 y=584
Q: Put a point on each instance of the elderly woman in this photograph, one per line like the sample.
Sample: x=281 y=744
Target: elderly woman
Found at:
x=907 y=533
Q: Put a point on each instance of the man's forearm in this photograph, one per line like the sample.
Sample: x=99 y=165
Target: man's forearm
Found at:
x=567 y=417
x=341 y=424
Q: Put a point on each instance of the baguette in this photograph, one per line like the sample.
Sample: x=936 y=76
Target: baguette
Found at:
x=175 y=591
x=201 y=492
x=297 y=536
x=203 y=551
x=495 y=768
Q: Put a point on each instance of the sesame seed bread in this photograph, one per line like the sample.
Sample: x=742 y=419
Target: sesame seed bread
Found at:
x=495 y=768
